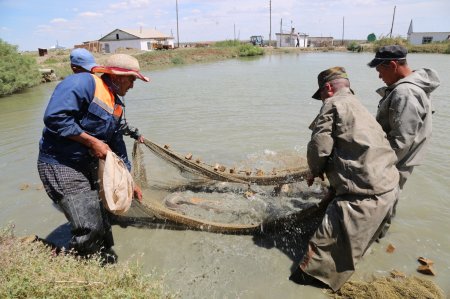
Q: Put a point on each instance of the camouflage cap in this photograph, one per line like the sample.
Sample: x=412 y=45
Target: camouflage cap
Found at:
x=328 y=75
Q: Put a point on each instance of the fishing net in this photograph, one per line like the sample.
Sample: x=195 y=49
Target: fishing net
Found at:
x=264 y=191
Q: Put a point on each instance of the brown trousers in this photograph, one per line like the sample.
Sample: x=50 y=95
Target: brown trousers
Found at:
x=350 y=225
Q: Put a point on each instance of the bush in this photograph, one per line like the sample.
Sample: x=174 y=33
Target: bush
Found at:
x=177 y=60
x=17 y=71
x=227 y=43
x=447 y=50
x=354 y=47
x=250 y=50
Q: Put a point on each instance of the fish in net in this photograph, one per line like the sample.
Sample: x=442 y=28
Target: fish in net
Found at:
x=264 y=191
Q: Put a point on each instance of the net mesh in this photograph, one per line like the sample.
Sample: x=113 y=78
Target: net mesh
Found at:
x=266 y=190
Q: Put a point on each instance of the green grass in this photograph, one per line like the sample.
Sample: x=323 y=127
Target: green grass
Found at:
x=31 y=270
x=437 y=47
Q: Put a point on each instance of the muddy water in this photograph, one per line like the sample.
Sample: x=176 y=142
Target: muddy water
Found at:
x=234 y=111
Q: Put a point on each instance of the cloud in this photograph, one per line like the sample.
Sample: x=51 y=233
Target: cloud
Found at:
x=90 y=14
x=44 y=28
x=131 y=4
x=58 y=20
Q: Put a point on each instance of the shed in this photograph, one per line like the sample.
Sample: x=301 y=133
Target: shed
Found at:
x=292 y=39
x=140 y=39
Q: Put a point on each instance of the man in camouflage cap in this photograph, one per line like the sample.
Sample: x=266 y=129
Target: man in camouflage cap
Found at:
x=349 y=146
x=329 y=75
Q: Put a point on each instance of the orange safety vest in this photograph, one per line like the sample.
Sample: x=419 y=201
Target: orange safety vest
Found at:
x=105 y=98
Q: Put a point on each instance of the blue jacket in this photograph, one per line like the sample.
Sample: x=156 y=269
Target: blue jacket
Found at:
x=72 y=110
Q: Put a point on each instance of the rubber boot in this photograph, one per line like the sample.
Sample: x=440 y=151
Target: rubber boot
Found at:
x=89 y=224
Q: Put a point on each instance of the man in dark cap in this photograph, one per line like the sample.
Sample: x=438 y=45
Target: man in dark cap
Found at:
x=405 y=109
x=349 y=146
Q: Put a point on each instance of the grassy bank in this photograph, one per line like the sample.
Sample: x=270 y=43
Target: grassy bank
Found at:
x=30 y=270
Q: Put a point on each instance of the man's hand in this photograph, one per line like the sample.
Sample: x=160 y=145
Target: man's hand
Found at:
x=137 y=192
x=100 y=149
x=141 y=139
x=310 y=178
x=96 y=147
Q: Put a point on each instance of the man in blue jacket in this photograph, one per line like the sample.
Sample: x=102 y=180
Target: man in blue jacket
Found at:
x=82 y=123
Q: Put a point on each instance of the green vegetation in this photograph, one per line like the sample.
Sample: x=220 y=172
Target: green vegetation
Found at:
x=436 y=47
x=250 y=50
x=371 y=37
x=227 y=43
x=354 y=47
x=17 y=71
x=30 y=270
x=177 y=60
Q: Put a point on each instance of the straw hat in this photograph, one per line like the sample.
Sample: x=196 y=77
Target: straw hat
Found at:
x=121 y=64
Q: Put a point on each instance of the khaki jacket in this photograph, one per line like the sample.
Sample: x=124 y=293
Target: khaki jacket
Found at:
x=405 y=114
x=350 y=146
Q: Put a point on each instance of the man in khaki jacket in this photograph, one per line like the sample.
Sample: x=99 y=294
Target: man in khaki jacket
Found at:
x=349 y=146
x=405 y=109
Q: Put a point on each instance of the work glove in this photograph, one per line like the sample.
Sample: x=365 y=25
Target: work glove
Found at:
x=128 y=130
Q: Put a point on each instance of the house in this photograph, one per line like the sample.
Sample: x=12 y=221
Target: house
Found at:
x=141 y=39
x=291 y=39
x=420 y=38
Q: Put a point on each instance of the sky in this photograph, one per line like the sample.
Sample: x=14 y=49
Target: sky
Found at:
x=32 y=24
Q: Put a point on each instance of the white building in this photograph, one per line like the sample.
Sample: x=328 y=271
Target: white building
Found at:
x=420 y=38
x=141 y=39
x=292 y=40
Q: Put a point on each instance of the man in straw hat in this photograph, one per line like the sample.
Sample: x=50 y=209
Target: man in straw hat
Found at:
x=349 y=146
x=82 y=123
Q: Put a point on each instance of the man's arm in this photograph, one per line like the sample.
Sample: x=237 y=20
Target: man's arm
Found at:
x=321 y=145
x=405 y=120
x=97 y=147
x=65 y=108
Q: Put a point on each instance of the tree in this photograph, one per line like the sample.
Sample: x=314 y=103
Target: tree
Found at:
x=371 y=37
x=17 y=71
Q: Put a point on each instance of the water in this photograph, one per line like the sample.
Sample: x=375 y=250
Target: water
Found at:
x=233 y=111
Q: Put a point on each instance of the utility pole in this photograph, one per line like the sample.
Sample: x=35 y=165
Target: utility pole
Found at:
x=392 y=26
x=234 y=27
x=270 y=22
x=290 y=36
x=281 y=30
x=178 y=33
x=343 y=22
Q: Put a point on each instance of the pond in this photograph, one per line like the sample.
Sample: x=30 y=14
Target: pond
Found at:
x=230 y=111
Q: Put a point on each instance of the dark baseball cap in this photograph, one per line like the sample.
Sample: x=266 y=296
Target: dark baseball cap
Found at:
x=388 y=53
x=328 y=75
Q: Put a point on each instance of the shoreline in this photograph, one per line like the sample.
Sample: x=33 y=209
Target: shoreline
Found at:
x=59 y=61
